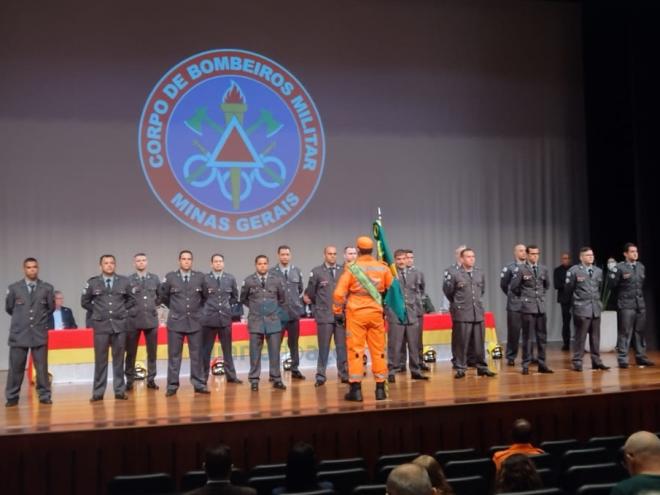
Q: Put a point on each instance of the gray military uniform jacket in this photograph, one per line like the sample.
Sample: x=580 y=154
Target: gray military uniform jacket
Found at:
x=530 y=288
x=513 y=302
x=293 y=308
x=585 y=290
x=185 y=301
x=464 y=293
x=29 y=313
x=320 y=287
x=111 y=308
x=220 y=296
x=147 y=300
x=412 y=290
x=629 y=282
x=263 y=303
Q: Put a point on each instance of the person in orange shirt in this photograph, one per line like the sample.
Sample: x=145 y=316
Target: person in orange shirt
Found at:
x=359 y=292
x=521 y=435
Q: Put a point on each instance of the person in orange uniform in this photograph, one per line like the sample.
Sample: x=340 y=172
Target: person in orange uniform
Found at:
x=521 y=435
x=360 y=291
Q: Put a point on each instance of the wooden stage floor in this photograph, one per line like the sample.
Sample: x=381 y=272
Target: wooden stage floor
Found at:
x=71 y=411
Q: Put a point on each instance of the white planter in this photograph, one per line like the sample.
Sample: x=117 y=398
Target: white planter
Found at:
x=608 y=332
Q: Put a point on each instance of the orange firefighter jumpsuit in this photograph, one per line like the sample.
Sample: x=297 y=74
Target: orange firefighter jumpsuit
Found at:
x=364 y=317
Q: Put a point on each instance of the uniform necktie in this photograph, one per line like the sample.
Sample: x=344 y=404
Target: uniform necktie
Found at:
x=263 y=282
x=470 y=274
x=108 y=283
x=217 y=279
x=286 y=274
x=332 y=272
x=403 y=276
x=185 y=279
x=31 y=286
x=536 y=271
x=591 y=272
x=634 y=267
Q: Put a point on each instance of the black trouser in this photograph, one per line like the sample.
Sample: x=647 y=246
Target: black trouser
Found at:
x=586 y=326
x=256 y=344
x=513 y=327
x=292 y=329
x=17 y=361
x=399 y=338
x=132 y=340
x=325 y=332
x=534 y=323
x=468 y=336
x=631 y=322
x=174 y=356
x=103 y=342
x=224 y=336
x=566 y=323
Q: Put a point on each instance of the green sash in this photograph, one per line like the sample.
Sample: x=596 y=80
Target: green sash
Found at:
x=365 y=282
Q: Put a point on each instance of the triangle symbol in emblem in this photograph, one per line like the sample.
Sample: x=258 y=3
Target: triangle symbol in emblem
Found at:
x=235 y=149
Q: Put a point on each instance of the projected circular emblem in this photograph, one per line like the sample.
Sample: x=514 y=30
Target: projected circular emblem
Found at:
x=231 y=144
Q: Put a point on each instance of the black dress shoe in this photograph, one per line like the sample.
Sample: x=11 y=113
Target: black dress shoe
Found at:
x=576 y=368
x=344 y=380
x=96 y=398
x=525 y=371
x=129 y=386
x=418 y=376
x=355 y=392
x=170 y=393
x=122 y=396
x=11 y=403
x=624 y=366
x=424 y=367
x=600 y=366
x=319 y=383
x=152 y=385
x=545 y=369
x=485 y=372
x=645 y=362
x=297 y=375
x=204 y=391
x=46 y=400
x=391 y=378
x=279 y=386
x=254 y=386
x=459 y=374
x=237 y=381
x=510 y=362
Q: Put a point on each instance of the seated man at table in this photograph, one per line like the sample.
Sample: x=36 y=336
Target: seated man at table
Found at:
x=62 y=317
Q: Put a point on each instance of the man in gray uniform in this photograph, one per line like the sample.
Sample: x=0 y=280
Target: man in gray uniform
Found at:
x=402 y=335
x=29 y=302
x=293 y=308
x=320 y=287
x=530 y=283
x=221 y=294
x=144 y=319
x=184 y=291
x=464 y=289
x=264 y=294
x=422 y=301
x=513 y=304
x=584 y=282
x=110 y=299
x=452 y=270
x=627 y=279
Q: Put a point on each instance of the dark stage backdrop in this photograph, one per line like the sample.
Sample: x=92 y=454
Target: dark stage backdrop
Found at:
x=462 y=120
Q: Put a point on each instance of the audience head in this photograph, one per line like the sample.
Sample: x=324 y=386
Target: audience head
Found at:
x=301 y=468
x=517 y=474
x=641 y=453
x=436 y=474
x=521 y=431
x=409 y=479
x=217 y=462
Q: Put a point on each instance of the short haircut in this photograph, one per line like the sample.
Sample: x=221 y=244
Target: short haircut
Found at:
x=400 y=252
x=325 y=249
x=346 y=248
x=217 y=462
x=530 y=247
x=258 y=257
x=139 y=254
x=627 y=246
x=57 y=293
x=521 y=432
x=409 y=251
x=30 y=260
x=283 y=246
x=184 y=251
x=409 y=479
x=465 y=250
x=584 y=249
x=217 y=254
x=103 y=256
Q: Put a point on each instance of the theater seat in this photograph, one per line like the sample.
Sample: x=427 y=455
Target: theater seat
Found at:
x=444 y=456
x=196 y=479
x=344 y=480
x=383 y=473
x=395 y=459
x=558 y=447
x=267 y=470
x=265 y=484
x=497 y=448
x=468 y=485
x=577 y=476
x=470 y=467
x=369 y=490
x=160 y=483
x=600 y=489
x=549 y=477
x=336 y=464
x=540 y=491
x=582 y=457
